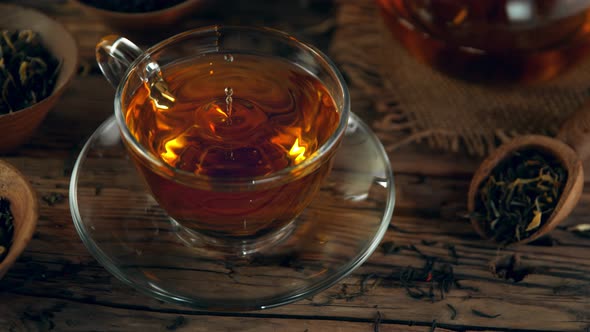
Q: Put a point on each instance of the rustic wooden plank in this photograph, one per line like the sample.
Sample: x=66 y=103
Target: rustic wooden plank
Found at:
x=32 y=314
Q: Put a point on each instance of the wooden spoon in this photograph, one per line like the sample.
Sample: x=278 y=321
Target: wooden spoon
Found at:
x=24 y=207
x=554 y=147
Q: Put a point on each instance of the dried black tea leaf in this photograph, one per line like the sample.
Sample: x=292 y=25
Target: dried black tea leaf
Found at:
x=53 y=198
x=428 y=243
x=389 y=248
x=511 y=267
x=377 y=323
x=28 y=72
x=178 y=322
x=453 y=311
x=6 y=227
x=433 y=326
x=483 y=314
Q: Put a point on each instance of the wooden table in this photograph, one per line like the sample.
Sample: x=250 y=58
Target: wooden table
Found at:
x=58 y=286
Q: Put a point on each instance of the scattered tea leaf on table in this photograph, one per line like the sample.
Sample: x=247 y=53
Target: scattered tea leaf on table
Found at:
x=428 y=243
x=433 y=326
x=582 y=230
x=483 y=314
x=453 y=311
x=178 y=322
x=377 y=323
x=53 y=198
x=389 y=248
x=511 y=267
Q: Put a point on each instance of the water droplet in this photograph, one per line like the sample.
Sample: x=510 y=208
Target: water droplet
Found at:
x=228 y=58
x=228 y=103
x=229 y=91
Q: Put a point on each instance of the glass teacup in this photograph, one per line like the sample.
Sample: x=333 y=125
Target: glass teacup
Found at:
x=233 y=129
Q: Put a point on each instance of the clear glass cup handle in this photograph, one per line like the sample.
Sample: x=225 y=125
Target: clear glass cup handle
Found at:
x=114 y=54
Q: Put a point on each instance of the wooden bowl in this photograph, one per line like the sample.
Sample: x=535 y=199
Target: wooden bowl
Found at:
x=562 y=153
x=152 y=21
x=17 y=127
x=25 y=210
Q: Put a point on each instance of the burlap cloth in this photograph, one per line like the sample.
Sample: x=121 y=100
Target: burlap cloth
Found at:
x=407 y=102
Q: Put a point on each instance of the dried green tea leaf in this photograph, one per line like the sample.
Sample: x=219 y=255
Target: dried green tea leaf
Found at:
x=579 y=228
x=536 y=222
x=582 y=230
x=519 y=195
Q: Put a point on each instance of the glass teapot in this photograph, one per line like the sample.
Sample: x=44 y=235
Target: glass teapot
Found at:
x=505 y=40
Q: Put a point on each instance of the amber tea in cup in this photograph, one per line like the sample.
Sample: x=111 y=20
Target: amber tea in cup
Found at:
x=245 y=118
x=492 y=40
x=232 y=129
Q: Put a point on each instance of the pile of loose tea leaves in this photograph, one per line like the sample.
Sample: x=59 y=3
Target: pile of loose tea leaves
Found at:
x=28 y=71
x=6 y=227
x=519 y=195
x=132 y=6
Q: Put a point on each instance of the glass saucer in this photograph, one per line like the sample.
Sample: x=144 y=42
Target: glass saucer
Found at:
x=132 y=237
